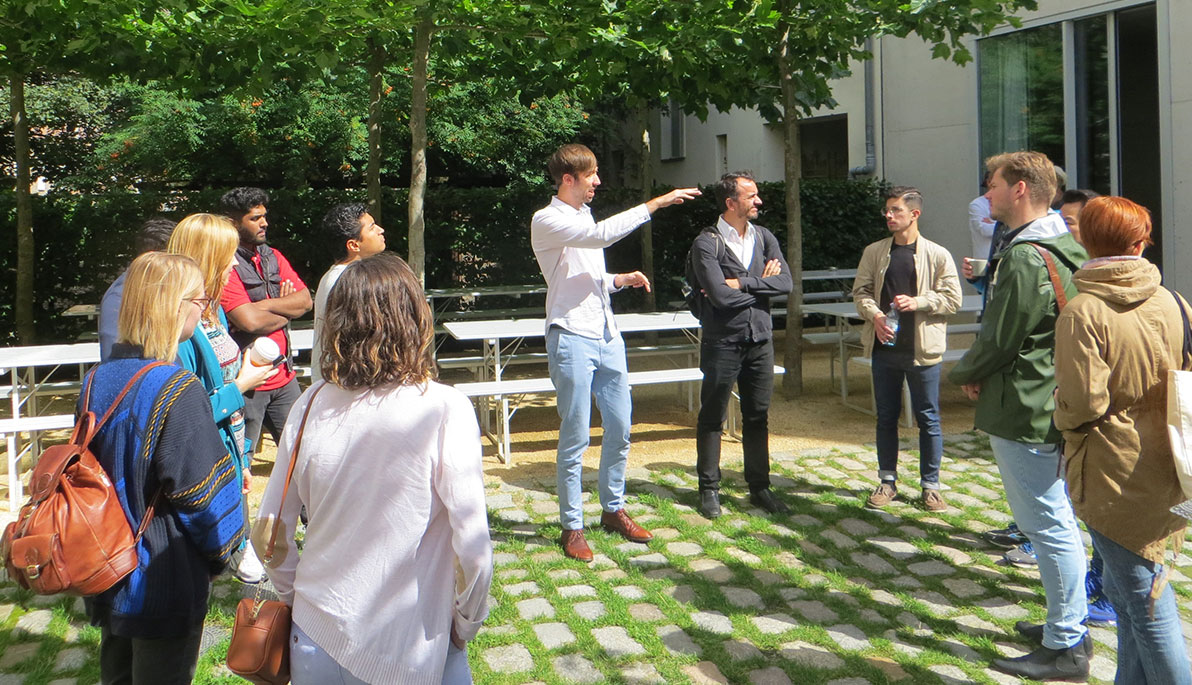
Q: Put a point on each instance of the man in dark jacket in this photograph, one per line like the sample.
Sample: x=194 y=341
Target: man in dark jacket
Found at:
x=739 y=267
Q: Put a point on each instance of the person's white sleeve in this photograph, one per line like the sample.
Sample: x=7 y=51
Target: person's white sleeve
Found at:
x=459 y=482
x=551 y=229
x=980 y=222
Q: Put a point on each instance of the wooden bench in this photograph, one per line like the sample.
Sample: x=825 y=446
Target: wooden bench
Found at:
x=502 y=390
x=948 y=357
x=474 y=362
x=34 y=426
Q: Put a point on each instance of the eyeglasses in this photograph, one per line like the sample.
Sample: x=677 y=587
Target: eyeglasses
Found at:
x=203 y=302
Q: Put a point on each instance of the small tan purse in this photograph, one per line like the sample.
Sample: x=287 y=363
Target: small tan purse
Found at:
x=260 y=647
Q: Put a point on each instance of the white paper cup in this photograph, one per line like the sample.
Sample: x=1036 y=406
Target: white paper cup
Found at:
x=980 y=266
x=263 y=352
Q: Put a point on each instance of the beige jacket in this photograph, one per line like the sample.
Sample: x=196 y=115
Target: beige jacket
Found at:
x=939 y=295
x=1114 y=343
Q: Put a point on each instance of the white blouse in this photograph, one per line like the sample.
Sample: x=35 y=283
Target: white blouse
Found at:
x=392 y=483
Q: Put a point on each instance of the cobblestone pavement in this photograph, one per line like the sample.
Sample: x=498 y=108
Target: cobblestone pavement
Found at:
x=831 y=593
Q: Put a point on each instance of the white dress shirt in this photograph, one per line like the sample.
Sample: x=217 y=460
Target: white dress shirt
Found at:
x=742 y=247
x=324 y=290
x=569 y=245
x=981 y=226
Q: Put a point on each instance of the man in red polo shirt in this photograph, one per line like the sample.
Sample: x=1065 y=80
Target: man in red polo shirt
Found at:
x=262 y=296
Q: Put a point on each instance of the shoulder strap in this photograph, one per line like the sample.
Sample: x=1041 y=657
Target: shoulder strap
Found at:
x=1187 y=328
x=93 y=429
x=1061 y=297
x=290 y=472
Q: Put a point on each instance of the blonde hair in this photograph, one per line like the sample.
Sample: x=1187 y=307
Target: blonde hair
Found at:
x=151 y=312
x=211 y=241
x=1033 y=168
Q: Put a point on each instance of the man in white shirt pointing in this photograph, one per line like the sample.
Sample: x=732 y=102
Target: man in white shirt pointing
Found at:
x=584 y=347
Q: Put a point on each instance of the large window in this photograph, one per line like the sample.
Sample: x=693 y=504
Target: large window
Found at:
x=1085 y=93
x=1022 y=92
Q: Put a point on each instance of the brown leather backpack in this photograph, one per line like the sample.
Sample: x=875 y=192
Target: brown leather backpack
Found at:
x=72 y=536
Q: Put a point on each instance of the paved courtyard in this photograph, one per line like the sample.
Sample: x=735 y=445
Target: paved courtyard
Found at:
x=831 y=593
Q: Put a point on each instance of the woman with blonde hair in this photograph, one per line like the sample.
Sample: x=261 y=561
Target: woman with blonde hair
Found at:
x=391 y=457
x=164 y=454
x=1114 y=344
x=212 y=354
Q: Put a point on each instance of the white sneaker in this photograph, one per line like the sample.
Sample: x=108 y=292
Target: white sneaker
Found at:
x=249 y=570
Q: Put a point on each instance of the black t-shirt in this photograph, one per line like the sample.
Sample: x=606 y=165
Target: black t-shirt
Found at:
x=900 y=280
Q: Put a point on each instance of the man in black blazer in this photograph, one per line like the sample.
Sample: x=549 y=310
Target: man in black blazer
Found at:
x=739 y=267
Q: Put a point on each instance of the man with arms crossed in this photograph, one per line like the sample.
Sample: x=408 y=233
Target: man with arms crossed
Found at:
x=262 y=295
x=584 y=347
x=353 y=235
x=916 y=277
x=739 y=267
x=1010 y=372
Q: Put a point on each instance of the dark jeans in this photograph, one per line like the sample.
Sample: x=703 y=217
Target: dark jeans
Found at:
x=268 y=409
x=751 y=367
x=889 y=372
x=161 y=661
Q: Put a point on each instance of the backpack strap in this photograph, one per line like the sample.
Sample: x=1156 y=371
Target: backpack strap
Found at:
x=87 y=418
x=1061 y=297
x=1179 y=303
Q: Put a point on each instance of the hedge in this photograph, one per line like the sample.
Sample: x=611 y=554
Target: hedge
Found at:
x=474 y=236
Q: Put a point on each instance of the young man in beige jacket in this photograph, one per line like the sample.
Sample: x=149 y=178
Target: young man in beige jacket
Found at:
x=915 y=278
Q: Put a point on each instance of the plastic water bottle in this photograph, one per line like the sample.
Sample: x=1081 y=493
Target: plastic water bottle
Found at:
x=892 y=322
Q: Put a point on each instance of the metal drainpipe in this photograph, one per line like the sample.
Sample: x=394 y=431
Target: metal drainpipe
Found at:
x=870 y=152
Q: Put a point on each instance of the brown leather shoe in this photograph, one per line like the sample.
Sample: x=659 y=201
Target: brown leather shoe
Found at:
x=575 y=546
x=619 y=522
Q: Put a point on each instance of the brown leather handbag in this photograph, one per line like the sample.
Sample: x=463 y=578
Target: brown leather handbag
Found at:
x=260 y=647
x=72 y=536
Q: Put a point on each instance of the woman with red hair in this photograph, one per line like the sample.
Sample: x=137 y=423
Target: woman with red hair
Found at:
x=1115 y=342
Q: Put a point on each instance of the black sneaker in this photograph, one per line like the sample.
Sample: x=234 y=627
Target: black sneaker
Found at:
x=709 y=503
x=1007 y=538
x=766 y=500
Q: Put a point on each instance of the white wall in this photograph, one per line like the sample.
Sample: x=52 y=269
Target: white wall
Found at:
x=752 y=144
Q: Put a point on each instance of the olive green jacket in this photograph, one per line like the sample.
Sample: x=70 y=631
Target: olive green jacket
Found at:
x=1013 y=357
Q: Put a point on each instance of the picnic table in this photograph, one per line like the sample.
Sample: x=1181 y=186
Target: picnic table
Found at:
x=843 y=313
x=21 y=364
x=503 y=337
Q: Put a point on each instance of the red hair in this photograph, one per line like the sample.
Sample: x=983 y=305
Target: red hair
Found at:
x=1112 y=226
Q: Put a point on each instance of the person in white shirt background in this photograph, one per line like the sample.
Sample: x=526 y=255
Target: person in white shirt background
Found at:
x=353 y=235
x=584 y=347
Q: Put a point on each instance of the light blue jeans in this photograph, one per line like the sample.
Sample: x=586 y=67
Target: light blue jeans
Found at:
x=1150 y=651
x=1038 y=499
x=310 y=665
x=581 y=367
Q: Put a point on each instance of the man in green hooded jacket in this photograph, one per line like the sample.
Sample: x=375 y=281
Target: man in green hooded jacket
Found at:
x=1010 y=372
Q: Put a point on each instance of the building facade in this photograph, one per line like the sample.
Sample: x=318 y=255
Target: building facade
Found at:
x=1095 y=84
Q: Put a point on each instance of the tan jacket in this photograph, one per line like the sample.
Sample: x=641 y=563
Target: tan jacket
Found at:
x=939 y=295
x=1114 y=343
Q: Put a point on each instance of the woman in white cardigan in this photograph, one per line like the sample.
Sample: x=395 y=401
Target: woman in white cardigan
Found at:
x=395 y=568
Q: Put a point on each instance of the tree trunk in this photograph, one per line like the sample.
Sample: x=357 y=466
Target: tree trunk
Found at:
x=376 y=85
x=422 y=35
x=792 y=358
x=26 y=332
x=647 y=190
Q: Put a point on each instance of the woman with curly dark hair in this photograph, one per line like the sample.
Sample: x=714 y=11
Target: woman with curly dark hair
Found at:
x=396 y=563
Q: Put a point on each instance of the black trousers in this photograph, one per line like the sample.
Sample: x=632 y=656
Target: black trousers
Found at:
x=268 y=409
x=162 y=661
x=750 y=365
